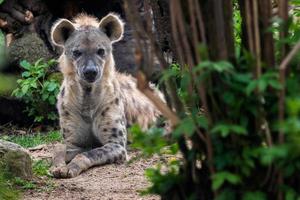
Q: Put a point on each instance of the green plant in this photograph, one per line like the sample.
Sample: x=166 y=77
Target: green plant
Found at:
x=38 y=90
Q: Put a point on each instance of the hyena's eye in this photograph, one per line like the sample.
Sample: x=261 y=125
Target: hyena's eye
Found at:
x=77 y=53
x=100 y=52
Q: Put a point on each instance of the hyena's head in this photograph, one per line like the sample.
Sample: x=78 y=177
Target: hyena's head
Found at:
x=88 y=44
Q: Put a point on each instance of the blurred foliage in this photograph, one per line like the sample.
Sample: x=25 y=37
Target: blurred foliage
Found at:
x=7 y=190
x=237 y=23
x=246 y=164
x=2 y=49
x=39 y=90
x=8 y=83
x=32 y=140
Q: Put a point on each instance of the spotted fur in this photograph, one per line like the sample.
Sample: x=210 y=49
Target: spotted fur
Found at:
x=94 y=116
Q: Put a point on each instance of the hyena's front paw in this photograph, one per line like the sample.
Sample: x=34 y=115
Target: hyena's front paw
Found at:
x=68 y=171
x=59 y=172
x=73 y=170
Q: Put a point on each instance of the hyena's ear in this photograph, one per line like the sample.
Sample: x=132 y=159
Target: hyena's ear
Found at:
x=112 y=26
x=61 y=31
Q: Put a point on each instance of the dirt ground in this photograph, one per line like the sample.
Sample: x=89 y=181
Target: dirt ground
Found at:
x=108 y=182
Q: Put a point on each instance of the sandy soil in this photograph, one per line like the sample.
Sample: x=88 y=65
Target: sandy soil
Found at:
x=108 y=182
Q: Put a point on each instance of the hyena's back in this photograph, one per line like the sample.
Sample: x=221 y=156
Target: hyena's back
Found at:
x=138 y=108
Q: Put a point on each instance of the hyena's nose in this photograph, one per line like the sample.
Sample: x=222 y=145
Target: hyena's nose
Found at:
x=90 y=73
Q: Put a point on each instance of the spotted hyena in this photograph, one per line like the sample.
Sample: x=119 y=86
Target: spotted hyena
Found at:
x=96 y=103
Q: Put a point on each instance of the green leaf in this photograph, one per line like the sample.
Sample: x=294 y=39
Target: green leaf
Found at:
x=256 y=195
x=26 y=65
x=45 y=96
x=52 y=86
x=219 y=178
x=24 y=89
x=222 y=66
x=251 y=87
x=275 y=84
x=202 y=122
x=187 y=126
x=34 y=85
x=26 y=74
x=262 y=85
x=217 y=183
x=271 y=154
x=226 y=129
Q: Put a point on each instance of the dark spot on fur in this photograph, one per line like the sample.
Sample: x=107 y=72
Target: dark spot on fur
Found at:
x=108 y=148
x=94 y=154
x=133 y=119
x=104 y=111
x=120 y=157
x=120 y=133
x=139 y=109
x=88 y=89
x=74 y=166
x=66 y=113
x=122 y=144
x=117 y=101
x=114 y=135
x=87 y=119
x=100 y=154
x=104 y=130
x=104 y=150
x=63 y=92
x=114 y=130
x=123 y=152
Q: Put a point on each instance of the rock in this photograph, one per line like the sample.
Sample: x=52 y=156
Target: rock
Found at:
x=30 y=47
x=16 y=159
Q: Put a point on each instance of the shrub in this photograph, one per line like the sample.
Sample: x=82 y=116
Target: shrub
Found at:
x=38 y=90
x=239 y=114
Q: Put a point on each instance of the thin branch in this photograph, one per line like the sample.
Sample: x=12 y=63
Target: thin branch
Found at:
x=143 y=86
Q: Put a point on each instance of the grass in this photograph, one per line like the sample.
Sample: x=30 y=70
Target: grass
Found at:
x=7 y=190
x=41 y=167
x=33 y=139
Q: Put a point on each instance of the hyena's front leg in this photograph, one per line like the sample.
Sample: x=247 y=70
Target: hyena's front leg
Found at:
x=64 y=153
x=109 y=153
x=110 y=129
x=58 y=160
